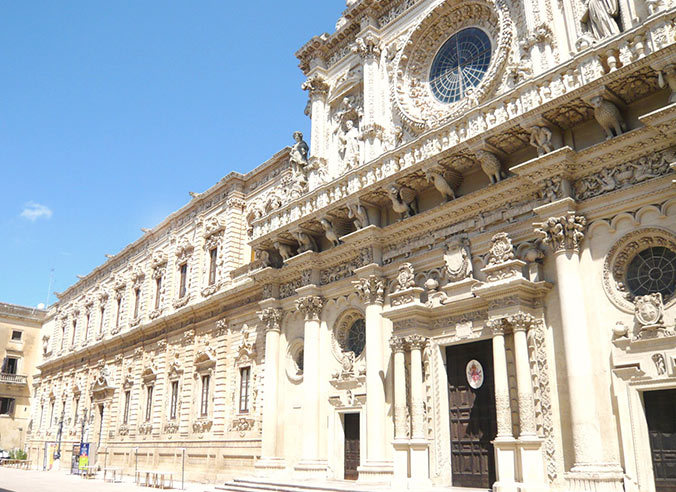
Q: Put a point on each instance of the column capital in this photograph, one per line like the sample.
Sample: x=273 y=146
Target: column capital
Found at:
x=416 y=342
x=310 y=306
x=316 y=86
x=272 y=317
x=397 y=344
x=496 y=326
x=371 y=290
x=564 y=233
x=368 y=47
x=521 y=321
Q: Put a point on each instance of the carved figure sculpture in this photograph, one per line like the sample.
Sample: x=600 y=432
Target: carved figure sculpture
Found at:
x=298 y=156
x=358 y=214
x=435 y=177
x=490 y=165
x=285 y=250
x=668 y=73
x=331 y=234
x=349 y=145
x=608 y=116
x=600 y=17
x=541 y=139
x=404 y=201
x=305 y=242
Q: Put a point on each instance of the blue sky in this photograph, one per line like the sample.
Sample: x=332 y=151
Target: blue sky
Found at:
x=111 y=112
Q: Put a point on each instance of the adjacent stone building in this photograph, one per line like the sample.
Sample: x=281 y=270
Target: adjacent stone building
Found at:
x=466 y=279
x=20 y=348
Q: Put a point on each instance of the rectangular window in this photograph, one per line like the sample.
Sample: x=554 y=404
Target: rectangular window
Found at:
x=103 y=316
x=16 y=335
x=204 y=409
x=244 y=376
x=184 y=275
x=149 y=403
x=137 y=301
x=6 y=406
x=51 y=414
x=127 y=399
x=117 y=315
x=42 y=415
x=213 y=257
x=76 y=407
x=72 y=338
x=158 y=291
x=10 y=365
x=63 y=334
x=173 y=406
x=87 y=323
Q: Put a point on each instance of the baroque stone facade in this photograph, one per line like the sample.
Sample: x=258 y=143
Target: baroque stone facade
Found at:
x=497 y=251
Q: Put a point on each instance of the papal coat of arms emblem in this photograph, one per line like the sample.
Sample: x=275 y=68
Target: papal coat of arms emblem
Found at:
x=475 y=374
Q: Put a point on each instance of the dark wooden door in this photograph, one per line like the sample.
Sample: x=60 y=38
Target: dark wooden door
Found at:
x=351 y=445
x=472 y=416
x=660 y=412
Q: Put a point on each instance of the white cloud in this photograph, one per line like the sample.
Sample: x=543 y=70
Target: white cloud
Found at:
x=33 y=211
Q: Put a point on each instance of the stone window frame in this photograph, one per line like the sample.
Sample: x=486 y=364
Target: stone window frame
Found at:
x=205 y=365
x=620 y=255
x=175 y=375
x=149 y=377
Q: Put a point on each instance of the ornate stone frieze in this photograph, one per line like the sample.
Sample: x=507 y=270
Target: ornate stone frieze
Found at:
x=271 y=318
x=371 y=290
x=619 y=177
x=563 y=233
x=171 y=427
x=311 y=307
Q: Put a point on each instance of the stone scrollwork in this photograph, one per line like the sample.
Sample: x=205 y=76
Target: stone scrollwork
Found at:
x=415 y=103
x=311 y=307
x=501 y=250
x=371 y=290
x=406 y=278
x=563 y=233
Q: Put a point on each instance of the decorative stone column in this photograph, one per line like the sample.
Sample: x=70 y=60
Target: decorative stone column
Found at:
x=310 y=464
x=530 y=445
x=504 y=443
x=318 y=89
x=564 y=234
x=272 y=318
x=400 y=443
x=371 y=290
x=420 y=473
x=368 y=48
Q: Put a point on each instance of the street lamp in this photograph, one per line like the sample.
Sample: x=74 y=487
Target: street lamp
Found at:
x=57 y=455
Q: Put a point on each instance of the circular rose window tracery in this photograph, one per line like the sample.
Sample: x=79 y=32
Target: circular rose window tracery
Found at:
x=640 y=263
x=349 y=335
x=426 y=90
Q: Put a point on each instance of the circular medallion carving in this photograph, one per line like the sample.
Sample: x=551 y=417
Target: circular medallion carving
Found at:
x=424 y=92
x=641 y=262
x=475 y=374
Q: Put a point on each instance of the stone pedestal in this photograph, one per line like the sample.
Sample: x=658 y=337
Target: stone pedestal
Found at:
x=401 y=464
x=505 y=460
x=420 y=463
x=532 y=465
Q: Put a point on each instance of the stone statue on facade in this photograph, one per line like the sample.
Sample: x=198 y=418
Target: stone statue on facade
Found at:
x=600 y=17
x=541 y=139
x=284 y=250
x=608 y=116
x=404 y=200
x=349 y=145
x=305 y=242
x=330 y=231
x=490 y=165
x=298 y=157
x=458 y=260
x=436 y=177
x=667 y=77
x=358 y=214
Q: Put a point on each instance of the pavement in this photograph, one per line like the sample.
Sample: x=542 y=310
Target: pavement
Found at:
x=12 y=480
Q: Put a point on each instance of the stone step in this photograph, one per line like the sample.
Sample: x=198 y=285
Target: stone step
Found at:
x=253 y=485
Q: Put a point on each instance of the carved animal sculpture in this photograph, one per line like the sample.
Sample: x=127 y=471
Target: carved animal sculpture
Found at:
x=491 y=166
x=305 y=242
x=285 y=250
x=608 y=116
x=358 y=215
x=440 y=183
x=404 y=201
x=330 y=232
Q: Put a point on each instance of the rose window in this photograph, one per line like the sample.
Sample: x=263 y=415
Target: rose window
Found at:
x=652 y=270
x=460 y=64
x=298 y=359
x=356 y=337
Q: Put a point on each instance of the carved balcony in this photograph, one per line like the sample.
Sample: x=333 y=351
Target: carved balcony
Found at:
x=13 y=379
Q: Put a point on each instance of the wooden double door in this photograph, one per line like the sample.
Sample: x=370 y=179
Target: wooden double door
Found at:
x=660 y=412
x=351 y=426
x=472 y=414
